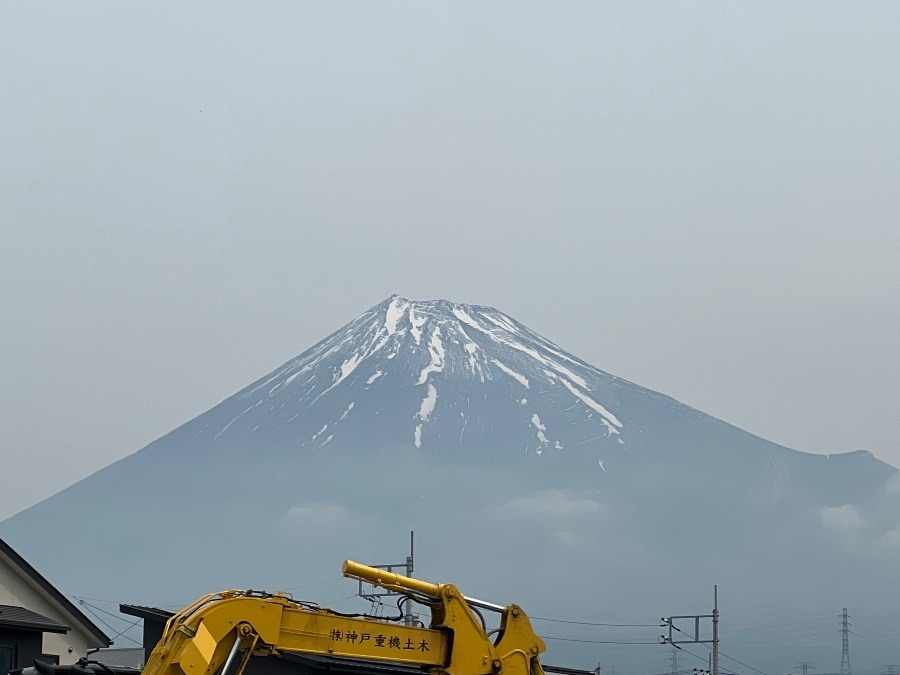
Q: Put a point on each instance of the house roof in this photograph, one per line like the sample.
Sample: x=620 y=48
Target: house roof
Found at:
x=17 y=561
x=153 y=613
x=25 y=619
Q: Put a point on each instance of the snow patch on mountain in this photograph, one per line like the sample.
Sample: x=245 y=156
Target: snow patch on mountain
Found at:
x=347 y=367
x=319 y=432
x=474 y=364
x=227 y=426
x=541 y=428
x=518 y=377
x=428 y=403
x=608 y=418
x=437 y=352
x=396 y=309
x=416 y=322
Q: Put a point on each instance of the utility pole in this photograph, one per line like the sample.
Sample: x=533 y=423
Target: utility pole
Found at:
x=676 y=640
x=373 y=594
x=845 y=644
x=409 y=618
x=805 y=667
x=715 y=622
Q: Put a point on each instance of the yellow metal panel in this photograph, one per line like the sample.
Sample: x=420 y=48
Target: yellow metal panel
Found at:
x=322 y=633
x=205 y=643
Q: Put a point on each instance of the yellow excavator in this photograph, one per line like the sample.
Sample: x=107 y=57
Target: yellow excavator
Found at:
x=219 y=633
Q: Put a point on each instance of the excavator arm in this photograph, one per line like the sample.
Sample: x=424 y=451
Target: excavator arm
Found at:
x=218 y=634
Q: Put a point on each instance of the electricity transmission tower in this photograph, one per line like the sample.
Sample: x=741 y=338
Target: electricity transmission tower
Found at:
x=673 y=660
x=805 y=667
x=890 y=669
x=845 y=644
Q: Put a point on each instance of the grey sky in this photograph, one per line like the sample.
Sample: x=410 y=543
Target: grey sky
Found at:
x=701 y=198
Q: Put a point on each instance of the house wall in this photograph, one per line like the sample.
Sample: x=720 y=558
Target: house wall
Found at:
x=15 y=590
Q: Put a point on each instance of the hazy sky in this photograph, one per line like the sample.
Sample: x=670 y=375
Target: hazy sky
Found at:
x=701 y=198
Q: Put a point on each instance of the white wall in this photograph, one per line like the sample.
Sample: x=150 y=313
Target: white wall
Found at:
x=21 y=592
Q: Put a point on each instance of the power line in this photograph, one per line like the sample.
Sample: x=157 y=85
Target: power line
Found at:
x=872 y=638
x=785 y=639
x=699 y=658
x=127 y=628
x=742 y=663
x=591 y=623
x=315 y=583
x=91 y=609
x=600 y=642
x=763 y=625
x=870 y=629
x=329 y=602
x=84 y=597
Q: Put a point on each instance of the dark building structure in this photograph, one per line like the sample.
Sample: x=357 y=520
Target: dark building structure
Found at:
x=22 y=637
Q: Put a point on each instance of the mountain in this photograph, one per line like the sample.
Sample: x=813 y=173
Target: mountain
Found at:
x=528 y=475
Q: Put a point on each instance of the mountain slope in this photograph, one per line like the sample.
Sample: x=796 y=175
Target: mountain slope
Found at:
x=509 y=456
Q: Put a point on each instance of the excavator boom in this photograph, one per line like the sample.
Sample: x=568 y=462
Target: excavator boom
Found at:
x=218 y=634
x=200 y=638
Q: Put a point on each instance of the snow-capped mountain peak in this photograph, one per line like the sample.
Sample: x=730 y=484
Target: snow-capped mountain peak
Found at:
x=453 y=371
